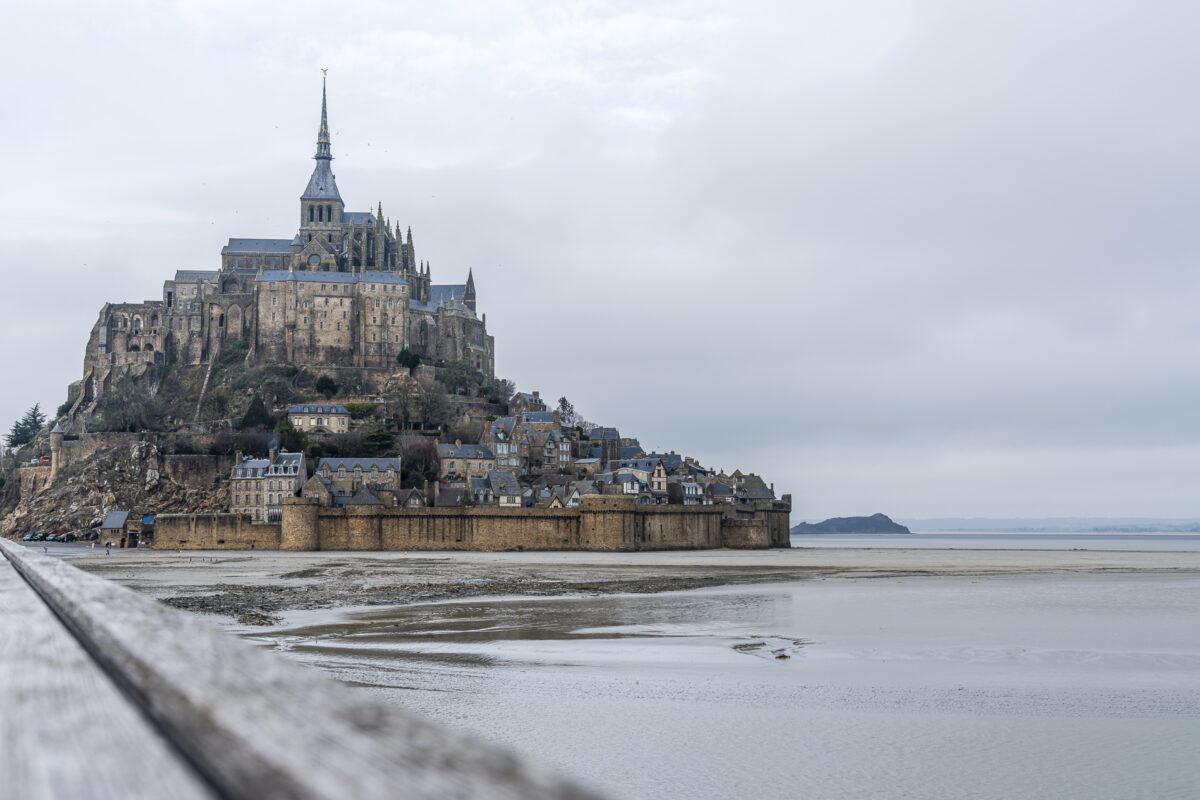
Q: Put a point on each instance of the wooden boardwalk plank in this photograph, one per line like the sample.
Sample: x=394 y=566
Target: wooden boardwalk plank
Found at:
x=67 y=731
x=261 y=727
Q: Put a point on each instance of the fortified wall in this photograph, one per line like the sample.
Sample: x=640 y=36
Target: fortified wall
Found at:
x=602 y=522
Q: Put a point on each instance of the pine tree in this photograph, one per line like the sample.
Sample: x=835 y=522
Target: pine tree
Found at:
x=26 y=428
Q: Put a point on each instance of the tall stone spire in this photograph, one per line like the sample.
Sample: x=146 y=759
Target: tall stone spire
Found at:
x=322 y=186
x=323 y=132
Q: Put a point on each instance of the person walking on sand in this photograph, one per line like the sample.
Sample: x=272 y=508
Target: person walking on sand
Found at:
x=108 y=548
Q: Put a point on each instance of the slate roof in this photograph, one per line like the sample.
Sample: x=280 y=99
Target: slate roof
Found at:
x=503 y=482
x=529 y=398
x=639 y=464
x=321 y=186
x=501 y=429
x=445 y=292
x=450 y=498
x=57 y=428
x=364 y=497
x=257 y=246
x=357 y=217
x=630 y=451
x=364 y=464
x=189 y=275
x=464 y=451
x=671 y=461
x=755 y=488
x=537 y=416
x=598 y=434
x=380 y=276
x=115 y=520
x=405 y=495
x=285 y=464
x=305 y=408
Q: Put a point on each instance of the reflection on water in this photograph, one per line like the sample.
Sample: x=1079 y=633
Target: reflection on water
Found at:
x=1078 y=686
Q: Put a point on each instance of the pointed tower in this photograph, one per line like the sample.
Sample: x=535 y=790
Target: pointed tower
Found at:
x=321 y=204
x=469 y=291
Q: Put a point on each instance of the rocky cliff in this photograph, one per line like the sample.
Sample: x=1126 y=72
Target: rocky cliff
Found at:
x=125 y=472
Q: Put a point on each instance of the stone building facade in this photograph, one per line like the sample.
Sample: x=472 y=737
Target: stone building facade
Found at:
x=346 y=289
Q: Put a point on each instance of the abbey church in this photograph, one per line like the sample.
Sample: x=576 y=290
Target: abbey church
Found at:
x=346 y=290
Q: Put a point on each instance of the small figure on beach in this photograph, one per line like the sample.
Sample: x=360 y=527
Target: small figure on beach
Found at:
x=108 y=548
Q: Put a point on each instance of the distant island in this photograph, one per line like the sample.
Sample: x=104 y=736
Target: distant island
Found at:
x=876 y=523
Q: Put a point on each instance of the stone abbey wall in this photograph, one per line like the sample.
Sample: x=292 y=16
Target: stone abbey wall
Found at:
x=612 y=523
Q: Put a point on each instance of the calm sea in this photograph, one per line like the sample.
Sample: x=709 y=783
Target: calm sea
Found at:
x=1063 y=686
x=1189 y=542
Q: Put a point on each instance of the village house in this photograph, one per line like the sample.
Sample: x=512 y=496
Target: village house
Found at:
x=684 y=491
x=465 y=460
x=410 y=498
x=497 y=436
x=314 y=418
x=508 y=493
x=257 y=486
x=524 y=401
x=342 y=478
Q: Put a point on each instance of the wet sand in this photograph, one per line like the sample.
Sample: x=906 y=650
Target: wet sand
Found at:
x=256 y=587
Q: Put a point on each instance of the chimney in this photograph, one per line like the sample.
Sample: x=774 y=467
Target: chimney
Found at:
x=537 y=394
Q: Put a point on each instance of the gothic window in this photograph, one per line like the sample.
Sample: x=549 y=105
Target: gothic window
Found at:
x=329 y=213
x=320 y=213
x=310 y=213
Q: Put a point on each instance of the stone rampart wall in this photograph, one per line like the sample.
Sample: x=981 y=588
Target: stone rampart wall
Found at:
x=213 y=532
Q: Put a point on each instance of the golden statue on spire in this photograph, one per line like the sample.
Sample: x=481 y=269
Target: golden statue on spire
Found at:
x=323 y=71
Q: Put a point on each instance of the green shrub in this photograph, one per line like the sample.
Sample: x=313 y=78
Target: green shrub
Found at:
x=360 y=410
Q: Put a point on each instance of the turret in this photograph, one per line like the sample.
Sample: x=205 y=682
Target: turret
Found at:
x=56 y=442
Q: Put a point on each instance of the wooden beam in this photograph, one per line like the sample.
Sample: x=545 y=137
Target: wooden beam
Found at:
x=258 y=726
x=67 y=730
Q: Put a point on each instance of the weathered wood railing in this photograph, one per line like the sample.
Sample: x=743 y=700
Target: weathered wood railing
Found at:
x=107 y=693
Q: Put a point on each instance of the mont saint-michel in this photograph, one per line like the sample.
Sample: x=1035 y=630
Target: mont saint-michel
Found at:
x=320 y=392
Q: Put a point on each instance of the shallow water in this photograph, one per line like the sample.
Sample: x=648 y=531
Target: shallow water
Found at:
x=998 y=687
x=1157 y=542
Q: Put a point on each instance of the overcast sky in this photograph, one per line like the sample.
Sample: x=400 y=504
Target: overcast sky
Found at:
x=924 y=258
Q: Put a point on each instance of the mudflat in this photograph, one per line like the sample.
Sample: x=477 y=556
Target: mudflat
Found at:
x=255 y=587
